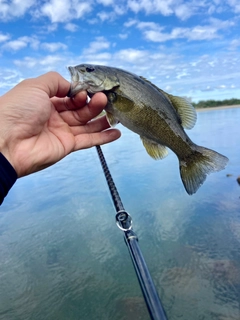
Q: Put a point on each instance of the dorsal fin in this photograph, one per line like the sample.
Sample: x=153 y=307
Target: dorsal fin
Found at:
x=183 y=107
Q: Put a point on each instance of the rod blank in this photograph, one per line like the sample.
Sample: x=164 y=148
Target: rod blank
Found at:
x=148 y=288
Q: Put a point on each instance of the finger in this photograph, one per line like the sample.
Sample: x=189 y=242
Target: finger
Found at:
x=66 y=104
x=52 y=83
x=96 y=105
x=97 y=125
x=88 y=112
x=92 y=109
x=84 y=141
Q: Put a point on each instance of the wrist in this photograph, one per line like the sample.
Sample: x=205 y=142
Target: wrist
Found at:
x=5 y=152
x=8 y=177
x=5 y=144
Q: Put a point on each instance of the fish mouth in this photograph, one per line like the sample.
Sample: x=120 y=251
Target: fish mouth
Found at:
x=77 y=82
x=81 y=82
x=74 y=74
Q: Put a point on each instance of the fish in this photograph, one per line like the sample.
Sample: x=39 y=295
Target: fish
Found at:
x=159 y=118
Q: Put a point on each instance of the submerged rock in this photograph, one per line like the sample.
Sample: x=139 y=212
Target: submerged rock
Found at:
x=133 y=308
x=238 y=180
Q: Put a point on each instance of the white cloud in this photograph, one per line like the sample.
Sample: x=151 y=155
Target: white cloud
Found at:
x=148 y=25
x=27 y=62
x=68 y=10
x=33 y=42
x=119 y=10
x=50 y=61
x=154 y=32
x=234 y=44
x=235 y=4
x=52 y=27
x=46 y=63
x=182 y=74
x=72 y=27
x=151 y=6
x=222 y=86
x=57 y=11
x=111 y=15
x=46 y=28
x=15 y=45
x=53 y=46
x=168 y=88
x=7 y=74
x=81 y=7
x=171 y=64
x=103 y=15
x=14 y=8
x=103 y=58
x=99 y=44
x=20 y=43
x=4 y=37
x=123 y=36
x=184 y=11
x=65 y=10
x=9 y=78
x=130 y=23
x=130 y=55
x=106 y=2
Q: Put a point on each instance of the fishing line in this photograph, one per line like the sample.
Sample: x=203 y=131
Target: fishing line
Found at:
x=124 y=222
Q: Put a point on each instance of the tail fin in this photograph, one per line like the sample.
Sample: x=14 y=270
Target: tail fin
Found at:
x=196 y=167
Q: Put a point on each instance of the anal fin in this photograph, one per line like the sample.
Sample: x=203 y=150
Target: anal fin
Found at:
x=155 y=150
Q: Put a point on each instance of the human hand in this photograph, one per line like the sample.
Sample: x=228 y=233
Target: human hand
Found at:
x=39 y=125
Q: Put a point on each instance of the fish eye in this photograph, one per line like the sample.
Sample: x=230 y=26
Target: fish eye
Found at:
x=90 y=69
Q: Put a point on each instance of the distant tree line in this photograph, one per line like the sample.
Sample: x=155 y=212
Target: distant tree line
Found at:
x=216 y=103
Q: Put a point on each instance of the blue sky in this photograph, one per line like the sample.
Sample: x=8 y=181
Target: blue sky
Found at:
x=187 y=48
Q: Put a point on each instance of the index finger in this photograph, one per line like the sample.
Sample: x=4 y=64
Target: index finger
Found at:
x=70 y=104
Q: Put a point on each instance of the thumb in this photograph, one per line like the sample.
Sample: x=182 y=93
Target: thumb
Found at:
x=52 y=83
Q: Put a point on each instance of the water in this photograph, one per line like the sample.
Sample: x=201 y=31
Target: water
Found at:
x=62 y=256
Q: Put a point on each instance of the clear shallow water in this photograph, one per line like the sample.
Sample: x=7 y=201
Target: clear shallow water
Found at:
x=62 y=256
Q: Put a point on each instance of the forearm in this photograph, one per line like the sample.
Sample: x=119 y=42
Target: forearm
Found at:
x=8 y=177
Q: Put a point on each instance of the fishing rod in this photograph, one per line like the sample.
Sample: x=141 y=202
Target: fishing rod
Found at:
x=124 y=222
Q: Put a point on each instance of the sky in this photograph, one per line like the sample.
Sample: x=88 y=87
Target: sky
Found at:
x=187 y=48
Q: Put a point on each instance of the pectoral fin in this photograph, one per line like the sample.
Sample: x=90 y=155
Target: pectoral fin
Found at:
x=122 y=102
x=155 y=150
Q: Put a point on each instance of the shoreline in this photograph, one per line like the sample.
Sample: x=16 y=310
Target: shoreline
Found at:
x=217 y=108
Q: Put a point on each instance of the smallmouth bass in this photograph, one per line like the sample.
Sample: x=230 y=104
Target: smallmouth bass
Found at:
x=158 y=117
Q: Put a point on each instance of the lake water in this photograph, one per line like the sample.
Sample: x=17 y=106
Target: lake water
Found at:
x=63 y=258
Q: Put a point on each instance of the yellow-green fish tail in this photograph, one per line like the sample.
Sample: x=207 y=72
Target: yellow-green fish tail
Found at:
x=195 y=168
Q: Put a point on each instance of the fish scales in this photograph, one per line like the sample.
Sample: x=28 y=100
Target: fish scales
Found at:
x=153 y=125
x=158 y=117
